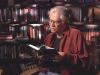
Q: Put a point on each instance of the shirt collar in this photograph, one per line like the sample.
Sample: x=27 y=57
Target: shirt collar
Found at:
x=67 y=31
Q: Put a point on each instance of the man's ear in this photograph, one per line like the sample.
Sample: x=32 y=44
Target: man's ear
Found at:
x=66 y=21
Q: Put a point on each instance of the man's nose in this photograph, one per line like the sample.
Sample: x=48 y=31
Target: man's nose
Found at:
x=53 y=23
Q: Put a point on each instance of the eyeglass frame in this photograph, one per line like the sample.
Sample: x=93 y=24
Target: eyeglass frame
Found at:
x=55 y=22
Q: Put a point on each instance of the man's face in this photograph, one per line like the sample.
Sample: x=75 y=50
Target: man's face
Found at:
x=56 y=24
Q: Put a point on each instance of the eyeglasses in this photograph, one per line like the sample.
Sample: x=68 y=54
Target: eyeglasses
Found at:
x=55 y=22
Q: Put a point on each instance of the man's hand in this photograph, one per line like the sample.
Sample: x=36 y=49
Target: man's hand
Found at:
x=45 y=57
x=60 y=57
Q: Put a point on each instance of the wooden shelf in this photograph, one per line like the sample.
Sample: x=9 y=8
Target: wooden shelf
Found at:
x=82 y=3
x=84 y=23
x=11 y=42
x=38 y=22
x=22 y=23
x=6 y=32
x=97 y=62
x=58 y=2
x=27 y=3
x=10 y=61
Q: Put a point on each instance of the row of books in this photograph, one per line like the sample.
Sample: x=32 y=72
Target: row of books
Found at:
x=5 y=32
x=28 y=66
x=6 y=37
x=10 y=32
x=11 y=52
x=23 y=0
x=53 y=0
x=22 y=31
x=66 y=0
x=32 y=31
x=11 y=69
x=17 y=69
x=89 y=33
x=39 y=32
x=16 y=51
x=26 y=14
x=5 y=28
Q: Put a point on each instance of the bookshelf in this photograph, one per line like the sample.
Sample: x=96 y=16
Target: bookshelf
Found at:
x=21 y=19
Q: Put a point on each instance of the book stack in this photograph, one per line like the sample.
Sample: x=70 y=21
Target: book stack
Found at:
x=5 y=33
x=38 y=31
x=89 y=0
x=6 y=37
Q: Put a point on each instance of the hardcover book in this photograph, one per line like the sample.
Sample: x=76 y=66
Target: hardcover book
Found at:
x=43 y=50
x=41 y=0
x=97 y=0
x=71 y=0
x=89 y=0
x=59 y=0
x=79 y=0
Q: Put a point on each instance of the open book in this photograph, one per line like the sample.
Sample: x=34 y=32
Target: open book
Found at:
x=43 y=50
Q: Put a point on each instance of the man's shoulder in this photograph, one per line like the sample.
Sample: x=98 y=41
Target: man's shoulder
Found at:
x=73 y=30
x=50 y=34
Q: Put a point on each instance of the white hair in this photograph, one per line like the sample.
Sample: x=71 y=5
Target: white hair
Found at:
x=62 y=10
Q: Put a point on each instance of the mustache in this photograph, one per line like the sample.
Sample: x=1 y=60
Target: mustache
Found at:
x=53 y=27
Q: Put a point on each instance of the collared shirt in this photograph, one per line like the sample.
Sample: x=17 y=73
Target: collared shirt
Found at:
x=75 y=48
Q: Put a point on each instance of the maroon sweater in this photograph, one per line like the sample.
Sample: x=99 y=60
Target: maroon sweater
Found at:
x=76 y=54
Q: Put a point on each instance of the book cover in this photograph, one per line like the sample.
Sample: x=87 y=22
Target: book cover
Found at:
x=18 y=13
x=23 y=67
x=10 y=52
x=89 y=0
x=59 y=0
x=33 y=14
x=14 y=14
x=97 y=0
x=80 y=0
x=0 y=15
x=71 y=0
x=6 y=37
x=30 y=33
x=10 y=14
x=37 y=33
x=21 y=38
x=33 y=33
x=2 y=52
x=18 y=68
x=29 y=15
x=5 y=70
x=43 y=50
x=3 y=14
x=41 y=0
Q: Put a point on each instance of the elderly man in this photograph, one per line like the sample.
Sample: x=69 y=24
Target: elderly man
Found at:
x=69 y=43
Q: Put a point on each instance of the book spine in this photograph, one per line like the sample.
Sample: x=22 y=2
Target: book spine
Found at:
x=2 y=52
x=0 y=15
x=40 y=34
x=31 y=33
x=10 y=52
x=45 y=31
